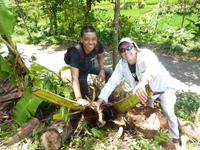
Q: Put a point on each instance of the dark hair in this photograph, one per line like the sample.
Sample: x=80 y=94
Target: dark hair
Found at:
x=87 y=29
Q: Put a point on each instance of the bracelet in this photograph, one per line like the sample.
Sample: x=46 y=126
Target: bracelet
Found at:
x=102 y=69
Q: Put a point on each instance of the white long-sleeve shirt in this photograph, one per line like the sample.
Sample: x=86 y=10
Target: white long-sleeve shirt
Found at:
x=146 y=63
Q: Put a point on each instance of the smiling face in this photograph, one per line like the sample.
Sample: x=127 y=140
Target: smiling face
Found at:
x=130 y=55
x=89 y=40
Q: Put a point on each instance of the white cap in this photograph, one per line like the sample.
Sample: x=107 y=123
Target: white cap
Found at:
x=128 y=40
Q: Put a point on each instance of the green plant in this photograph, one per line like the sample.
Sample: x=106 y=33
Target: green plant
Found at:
x=7 y=130
x=187 y=105
x=65 y=113
x=38 y=77
x=28 y=105
x=196 y=31
x=87 y=137
x=140 y=144
x=151 y=144
x=36 y=139
x=7 y=20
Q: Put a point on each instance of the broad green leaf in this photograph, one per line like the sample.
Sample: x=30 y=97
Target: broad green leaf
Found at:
x=5 y=69
x=37 y=67
x=11 y=59
x=27 y=106
x=58 y=99
x=63 y=69
x=7 y=18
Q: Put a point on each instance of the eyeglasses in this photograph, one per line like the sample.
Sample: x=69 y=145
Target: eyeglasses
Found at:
x=127 y=48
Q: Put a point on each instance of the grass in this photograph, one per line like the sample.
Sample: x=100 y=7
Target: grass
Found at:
x=187 y=105
x=175 y=20
x=6 y=130
x=134 y=13
x=133 y=1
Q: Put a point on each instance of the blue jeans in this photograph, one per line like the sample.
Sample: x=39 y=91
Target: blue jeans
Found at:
x=94 y=69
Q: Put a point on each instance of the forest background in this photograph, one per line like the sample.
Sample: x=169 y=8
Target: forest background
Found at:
x=171 y=27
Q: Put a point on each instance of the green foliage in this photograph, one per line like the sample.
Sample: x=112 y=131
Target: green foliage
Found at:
x=28 y=105
x=161 y=135
x=65 y=113
x=187 y=105
x=5 y=69
x=63 y=69
x=140 y=144
x=39 y=77
x=88 y=137
x=37 y=67
x=7 y=130
x=36 y=139
x=136 y=23
x=195 y=31
x=7 y=20
x=181 y=36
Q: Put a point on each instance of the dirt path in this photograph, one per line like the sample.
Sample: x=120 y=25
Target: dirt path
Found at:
x=186 y=73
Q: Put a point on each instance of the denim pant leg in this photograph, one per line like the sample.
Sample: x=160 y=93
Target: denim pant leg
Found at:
x=96 y=69
x=168 y=100
x=83 y=85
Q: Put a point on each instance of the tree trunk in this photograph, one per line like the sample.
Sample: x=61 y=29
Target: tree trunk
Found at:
x=159 y=5
x=88 y=9
x=26 y=130
x=115 y=33
x=51 y=26
x=184 y=14
x=147 y=120
x=24 y=20
x=53 y=137
x=191 y=129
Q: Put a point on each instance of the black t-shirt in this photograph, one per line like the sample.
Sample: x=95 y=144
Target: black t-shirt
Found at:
x=133 y=72
x=84 y=65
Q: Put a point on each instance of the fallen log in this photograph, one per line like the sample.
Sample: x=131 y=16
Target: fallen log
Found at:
x=53 y=137
x=191 y=129
x=25 y=130
x=147 y=120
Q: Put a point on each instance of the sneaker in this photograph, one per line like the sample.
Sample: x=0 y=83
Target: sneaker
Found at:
x=176 y=141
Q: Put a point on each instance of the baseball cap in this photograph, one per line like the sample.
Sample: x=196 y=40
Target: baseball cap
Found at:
x=128 y=40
